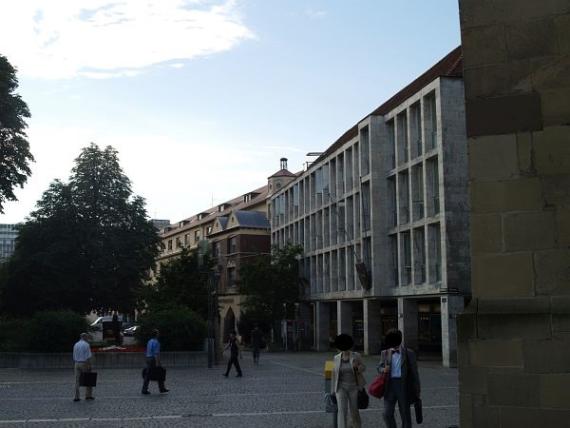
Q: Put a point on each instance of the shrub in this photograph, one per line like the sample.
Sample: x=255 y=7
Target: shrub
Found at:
x=55 y=331
x=49 y=331
x=180 y=329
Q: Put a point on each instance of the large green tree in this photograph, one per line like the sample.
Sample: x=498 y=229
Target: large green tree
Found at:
x=271 y=285
x=181 y=282
x=14 y=147
x=88 y=246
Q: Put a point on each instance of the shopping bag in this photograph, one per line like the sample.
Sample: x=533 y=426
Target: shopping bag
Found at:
x=331 y=405
x=419 y=411
x=362 y=400
x=378 y=385
x=88 y=379
x=158 y=374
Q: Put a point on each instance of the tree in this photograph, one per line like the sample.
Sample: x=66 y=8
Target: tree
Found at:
x=88 y=246
x=181 y=282
x=271 y=285
x=14 y=147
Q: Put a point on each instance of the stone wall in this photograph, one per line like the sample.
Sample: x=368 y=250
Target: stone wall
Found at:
x=514 y=337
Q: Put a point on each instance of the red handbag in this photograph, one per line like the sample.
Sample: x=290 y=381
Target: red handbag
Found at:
x=378 y=385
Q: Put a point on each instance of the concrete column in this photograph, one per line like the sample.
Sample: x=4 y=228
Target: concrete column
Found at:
x=322 y=320
x=344 y=317
x=408 y=321
x=451 y=306
x=372 y=326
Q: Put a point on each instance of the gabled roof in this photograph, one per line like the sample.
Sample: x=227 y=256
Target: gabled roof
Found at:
x=283 y=173
x=212 y=213
x=449 y=66
x=252 y=219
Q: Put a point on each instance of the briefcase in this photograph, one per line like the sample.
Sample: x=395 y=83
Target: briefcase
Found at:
x=156 y=373
x=88 y=379
x=419 y=411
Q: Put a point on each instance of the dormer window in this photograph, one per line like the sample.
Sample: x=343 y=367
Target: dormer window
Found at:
x=202 y=215
x=223 y=207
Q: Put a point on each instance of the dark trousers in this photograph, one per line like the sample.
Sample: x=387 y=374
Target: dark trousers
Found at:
x=233 y=360
x=255 y=354
x=150 y=364
x=396 y=393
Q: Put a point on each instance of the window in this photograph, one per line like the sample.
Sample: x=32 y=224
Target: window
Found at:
x=232 y=245
x=404 y=190
x=216 y=249
x=402 y=137
x=209 y=230
x=231 y=277
x=416 y=130
x=419 y=256
x=418 y=192
x=196 y=236
x=433 y=186
x=366 y=210
x=406 y=259
x=430 y=115
x=365 y=151
x=186 y=239
x=170 y=245
x=434 y=238
x=178 y=242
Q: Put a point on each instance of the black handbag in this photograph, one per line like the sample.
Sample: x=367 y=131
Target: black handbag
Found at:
x=363 y=400
x=88 y=379
x=419 y=411
x=156 y=373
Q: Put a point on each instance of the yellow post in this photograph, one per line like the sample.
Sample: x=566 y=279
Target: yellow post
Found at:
x=329 y=367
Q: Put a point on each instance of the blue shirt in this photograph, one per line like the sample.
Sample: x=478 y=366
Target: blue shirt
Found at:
x=152 y=347
x=396 y=367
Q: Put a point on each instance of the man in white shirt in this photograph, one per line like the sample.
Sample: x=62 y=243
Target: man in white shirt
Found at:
x=82 y=359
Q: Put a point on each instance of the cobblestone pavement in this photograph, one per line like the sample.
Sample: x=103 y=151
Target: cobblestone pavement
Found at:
x=285 y=390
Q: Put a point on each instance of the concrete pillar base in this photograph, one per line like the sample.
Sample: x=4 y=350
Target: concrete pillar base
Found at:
x=322 y=320
x=372 y=326
x=408 y=321
x=451 y=306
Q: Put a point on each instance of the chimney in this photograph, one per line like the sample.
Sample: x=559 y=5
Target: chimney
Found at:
x=283 y=163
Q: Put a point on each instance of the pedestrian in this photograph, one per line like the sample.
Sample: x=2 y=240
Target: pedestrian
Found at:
x=82 y=364
x=235 y=353
x=403 y=385
x=347 y=379
x=153 y=361
x=256 y=343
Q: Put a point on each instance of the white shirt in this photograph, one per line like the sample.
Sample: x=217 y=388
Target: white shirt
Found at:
x=396 y=367
x=81 y=351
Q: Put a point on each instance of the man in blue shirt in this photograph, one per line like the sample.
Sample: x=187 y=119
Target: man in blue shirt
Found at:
x=152 y=362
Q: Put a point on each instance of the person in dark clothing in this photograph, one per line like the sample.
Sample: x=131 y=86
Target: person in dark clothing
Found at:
x=233 y=347
x=403 y=385
x=256 y=343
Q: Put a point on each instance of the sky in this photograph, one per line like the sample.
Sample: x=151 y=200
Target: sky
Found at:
x=203 y=97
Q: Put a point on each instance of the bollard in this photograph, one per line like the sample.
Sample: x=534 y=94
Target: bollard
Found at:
x=329 y=367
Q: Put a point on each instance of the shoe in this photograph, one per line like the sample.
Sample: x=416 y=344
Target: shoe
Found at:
x=77 y=399
x=162 y=391
x=90 y=398
x=239 y=375
x=145 y=392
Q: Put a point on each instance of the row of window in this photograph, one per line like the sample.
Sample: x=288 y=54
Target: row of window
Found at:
x=326 y=184
x=185 y=241
x=409 y=199
x=413 y=131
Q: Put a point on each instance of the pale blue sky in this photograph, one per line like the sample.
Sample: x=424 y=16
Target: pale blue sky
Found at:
x=203 y=97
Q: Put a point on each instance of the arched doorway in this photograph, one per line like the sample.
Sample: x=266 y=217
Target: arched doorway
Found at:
x=229 y=323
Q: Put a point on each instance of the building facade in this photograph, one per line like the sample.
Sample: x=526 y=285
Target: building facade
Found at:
x=382 y=216
x=8 y=235
x=233 y=232
x=514 y=337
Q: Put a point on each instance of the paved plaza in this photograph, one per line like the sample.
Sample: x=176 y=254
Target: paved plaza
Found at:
x=285 y=390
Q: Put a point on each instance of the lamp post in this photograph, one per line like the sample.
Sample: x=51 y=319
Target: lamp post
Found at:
x=212 y=309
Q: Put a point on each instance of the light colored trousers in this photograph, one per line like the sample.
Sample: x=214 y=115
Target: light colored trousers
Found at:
x=348 y=413
x=80 y=368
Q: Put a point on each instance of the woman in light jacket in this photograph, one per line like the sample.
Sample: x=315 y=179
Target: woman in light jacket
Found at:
x=346 y=380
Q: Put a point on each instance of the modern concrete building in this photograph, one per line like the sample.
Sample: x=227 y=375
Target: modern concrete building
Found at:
x=382 y=215
x=8 y=235
x=514 y=337
x=234 y=232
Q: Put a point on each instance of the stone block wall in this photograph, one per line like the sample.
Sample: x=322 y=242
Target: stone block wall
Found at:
x=514 y=337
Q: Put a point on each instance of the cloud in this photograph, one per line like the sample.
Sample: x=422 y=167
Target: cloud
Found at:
x=315 y=13
x=57 y=39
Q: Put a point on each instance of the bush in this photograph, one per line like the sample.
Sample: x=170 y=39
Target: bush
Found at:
x=49 y=331
x=180 y=329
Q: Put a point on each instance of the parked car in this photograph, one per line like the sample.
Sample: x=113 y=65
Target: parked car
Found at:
x=130 y=331
x=98 y=323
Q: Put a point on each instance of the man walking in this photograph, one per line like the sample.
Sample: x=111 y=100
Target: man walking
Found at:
x=403 y=385
x=256 y=343
x=233 y=346
x=82 y=364
x=153 y=361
